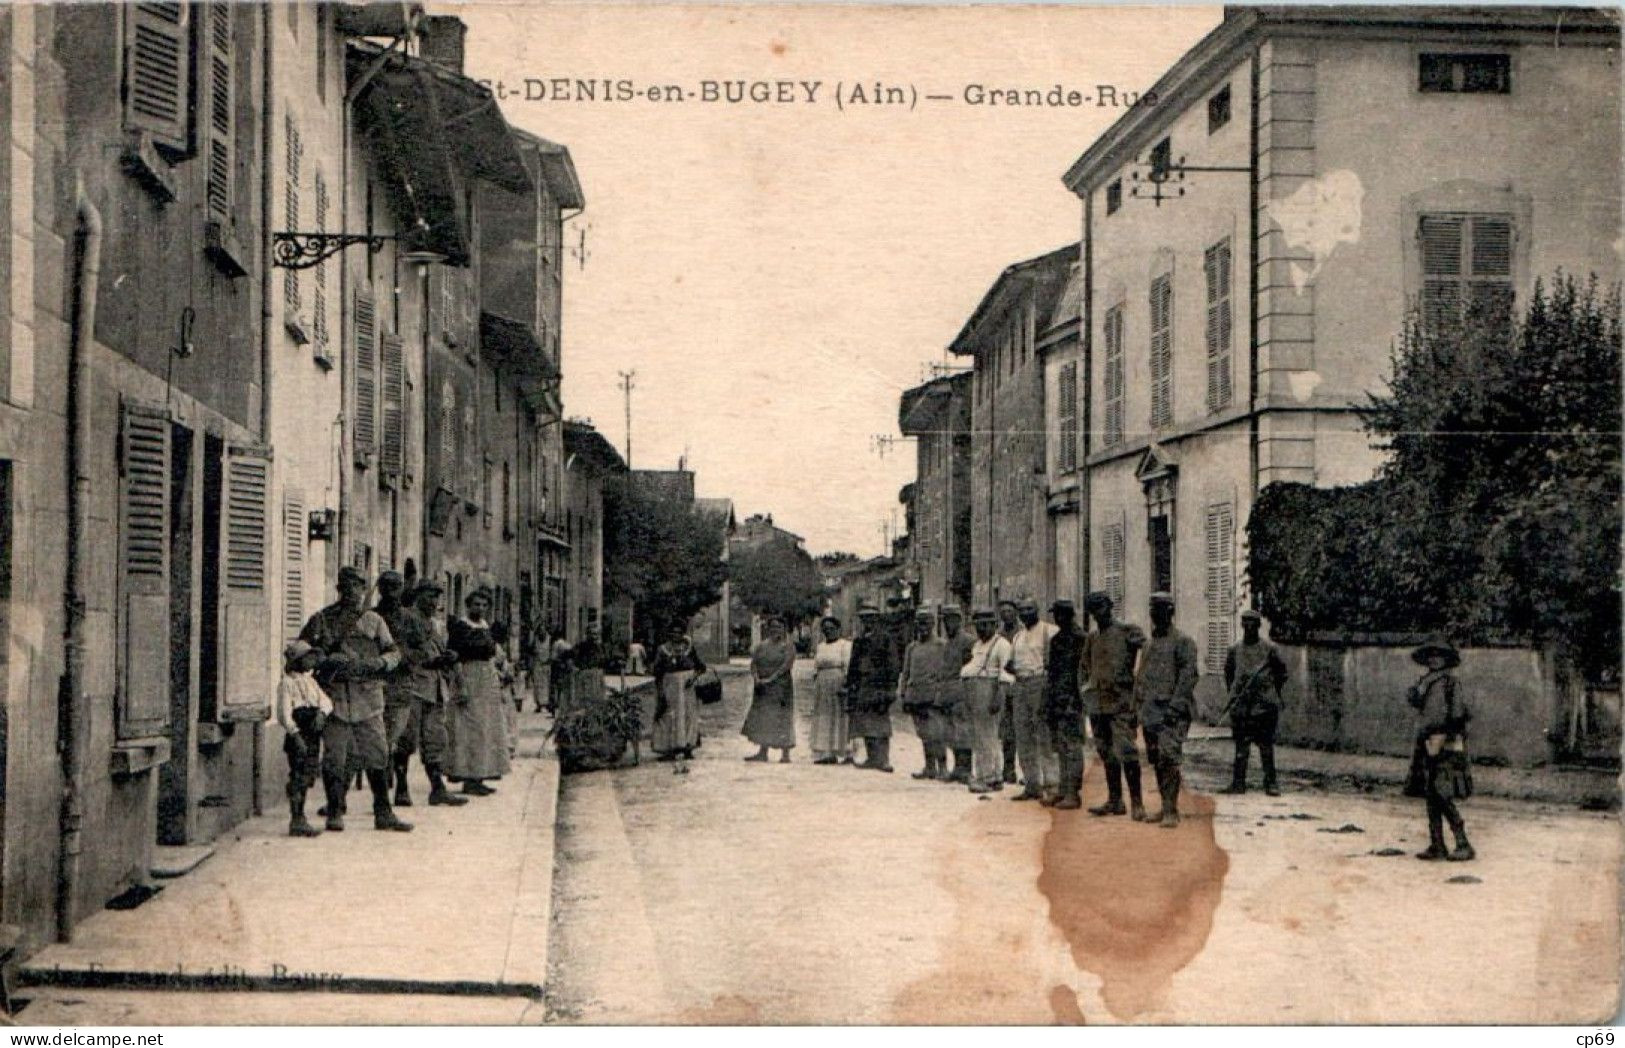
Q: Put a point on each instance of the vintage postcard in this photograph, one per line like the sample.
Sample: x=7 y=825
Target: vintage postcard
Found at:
x=809 y=514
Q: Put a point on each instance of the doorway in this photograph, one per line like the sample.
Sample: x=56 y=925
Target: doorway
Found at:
x=174 y=777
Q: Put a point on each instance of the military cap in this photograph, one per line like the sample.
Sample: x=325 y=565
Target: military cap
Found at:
x=350 y=573
x=925 y=615
x=1097 y=599
x=1064 y=605
x=983 y=612
x=1249 y=615
x=391 y=578
x=1026 y=604
x=952 y=610
x=1009 y=601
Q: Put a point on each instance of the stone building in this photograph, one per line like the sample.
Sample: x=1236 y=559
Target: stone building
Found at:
x=938 y=415
x=1065 y=409
x=591 y=462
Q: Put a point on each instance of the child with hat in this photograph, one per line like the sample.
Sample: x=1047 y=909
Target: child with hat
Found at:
x=302 y=709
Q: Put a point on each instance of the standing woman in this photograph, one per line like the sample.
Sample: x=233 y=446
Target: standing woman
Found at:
x=677 y=710
x=771 y=722
x=479 y=730
x=831 y=742
x=1441 y=735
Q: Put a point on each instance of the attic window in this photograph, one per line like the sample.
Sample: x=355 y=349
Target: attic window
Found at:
x=1114 y=196
x=1218 y=109
x=1481 y=74
x=1162 y=158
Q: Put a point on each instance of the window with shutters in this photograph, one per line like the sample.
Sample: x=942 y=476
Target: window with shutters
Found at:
x=293 y=154
x=1111 y=557
x=471 y=445
x=1220 y=584
x=246 y=659
x=1066 y=397
x=1466 y=269
x=1162 y=355
x=293 y=564
x=144 y=526
x=393 y=355
x=486 y=468
x=1114 y=196
x=217 y=67
x=448 y=434
x=318 y=309
x=158 y=73
x=1216 y=270
x=1112 y=336
x=365 y=429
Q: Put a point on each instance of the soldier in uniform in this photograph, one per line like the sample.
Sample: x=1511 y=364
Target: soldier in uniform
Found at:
x=415 y=697
x=959 y=730
x=358 y=652
x=871 y=687
x=1063 y=703
x=1253 y=674
x=1108 y=660
x=1165 y=688
x=920 y=685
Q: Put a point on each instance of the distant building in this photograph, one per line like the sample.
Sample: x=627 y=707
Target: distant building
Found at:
x=938 y=415
x=710 y=628
x=591 y=462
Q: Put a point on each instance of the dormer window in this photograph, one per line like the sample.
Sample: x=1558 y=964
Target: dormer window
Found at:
x=1218 y=109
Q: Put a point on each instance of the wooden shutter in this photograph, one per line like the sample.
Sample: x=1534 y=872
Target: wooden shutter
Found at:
x=319 y=294
x=366 y=376
x=216 y=63
x=1111 y=542
x=144 y=516
x=1441 y=238
x=1466 y=269
x=293 y=564
x=293 y=160
x=1490 y=290
x=1216 y=269
x=471 y=471
x=157 y=72
x=1162 y=364
x=1220 y=584
x=246 y=638
x=392 y=352
x=1114 y=376
x=1067 y=395
x=448 y=434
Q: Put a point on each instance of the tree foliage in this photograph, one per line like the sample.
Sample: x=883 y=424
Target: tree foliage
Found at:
x=777 y=577
x=663 y=555
x=1497 y=511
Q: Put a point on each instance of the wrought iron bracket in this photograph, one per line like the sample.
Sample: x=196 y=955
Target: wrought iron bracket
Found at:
x=304 y=250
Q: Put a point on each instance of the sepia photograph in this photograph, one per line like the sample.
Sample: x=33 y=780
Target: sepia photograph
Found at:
x=809 y=514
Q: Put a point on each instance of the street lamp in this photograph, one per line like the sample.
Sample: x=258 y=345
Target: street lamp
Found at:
x=296 y=250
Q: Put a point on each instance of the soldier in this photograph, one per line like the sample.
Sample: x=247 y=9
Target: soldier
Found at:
x=1063 y=704
x=1029 y=648
x=1253 y=674
x=871 y=687
x=415 y=697
x=1165 y=688
x=925 y=672
x=358 y=652
x=1108 y=661
x=986 y=679
x=959 y=728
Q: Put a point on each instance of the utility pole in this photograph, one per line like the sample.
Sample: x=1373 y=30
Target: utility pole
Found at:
x=626 y=390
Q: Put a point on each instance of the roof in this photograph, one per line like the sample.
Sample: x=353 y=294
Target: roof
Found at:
x=1043 y=276
x=1196 y=70
x=558 y=170
x=717 y=507
x=923 y=408
x=584 y=440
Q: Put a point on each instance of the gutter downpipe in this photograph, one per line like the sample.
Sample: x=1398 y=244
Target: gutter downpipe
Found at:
x=1252 y=285
x=267 y=370
x=71 y=699
x=1086 y=353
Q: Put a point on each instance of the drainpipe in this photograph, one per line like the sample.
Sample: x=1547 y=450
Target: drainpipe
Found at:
x=71 y=699
x=267 y=372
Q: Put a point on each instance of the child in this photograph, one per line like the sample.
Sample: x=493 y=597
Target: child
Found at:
x=302 y=709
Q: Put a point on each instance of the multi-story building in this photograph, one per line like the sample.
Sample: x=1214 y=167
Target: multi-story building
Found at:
x=591 y=463
x=1065 y=407
x=1010 y=530
x=1254 y=242
x=937 y=414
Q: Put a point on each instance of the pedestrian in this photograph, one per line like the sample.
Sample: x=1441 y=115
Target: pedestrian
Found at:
x=771 y=722
x=924 y=674
x=1165 y=691
x=1009 y=626
x=831 y=735
x=302 y=708
x=1442 y=713
x=426 y=681
x=358 y=652
x=1108 y=660
x=541 y=669
x=559 y=666
x=1253 y=675
x=478 y=722
x=985 y=679
x=1063 y=704
x=677 y=714
x=958 y=724
x=637 y=659
x=1029 y=648
x=871 y=687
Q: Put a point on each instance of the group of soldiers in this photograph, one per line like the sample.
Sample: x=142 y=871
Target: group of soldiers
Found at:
x=1014 y=691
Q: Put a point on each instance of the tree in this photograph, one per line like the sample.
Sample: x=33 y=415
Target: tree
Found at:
x=777 y=577
x=663 y=555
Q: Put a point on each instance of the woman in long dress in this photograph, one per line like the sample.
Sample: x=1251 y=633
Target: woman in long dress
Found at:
x=479 y=730
x=677 y=710
x=771 y=722
x=830 y=742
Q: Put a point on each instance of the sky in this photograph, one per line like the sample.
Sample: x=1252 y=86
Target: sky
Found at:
x=776 y=274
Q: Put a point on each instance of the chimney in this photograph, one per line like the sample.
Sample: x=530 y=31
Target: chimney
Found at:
x=441 y=40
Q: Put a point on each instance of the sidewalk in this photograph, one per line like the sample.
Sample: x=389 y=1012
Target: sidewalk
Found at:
x=460 y=906
x=1210 y=750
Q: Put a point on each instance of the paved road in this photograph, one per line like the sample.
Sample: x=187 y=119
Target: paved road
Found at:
x=747 y=893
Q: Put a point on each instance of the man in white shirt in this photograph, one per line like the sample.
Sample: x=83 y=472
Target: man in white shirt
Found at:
x=986 y=679
x=1029 y=648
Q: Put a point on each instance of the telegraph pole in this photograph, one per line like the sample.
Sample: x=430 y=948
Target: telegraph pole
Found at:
x=626 y=391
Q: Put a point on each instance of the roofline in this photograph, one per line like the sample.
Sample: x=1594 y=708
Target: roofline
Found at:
x=1002 y=287
x=567 y=186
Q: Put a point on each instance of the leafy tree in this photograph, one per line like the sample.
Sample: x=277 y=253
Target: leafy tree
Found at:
x=777 y=577
x=663 y=555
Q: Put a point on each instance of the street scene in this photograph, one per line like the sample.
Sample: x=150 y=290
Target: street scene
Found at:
x=874 y=516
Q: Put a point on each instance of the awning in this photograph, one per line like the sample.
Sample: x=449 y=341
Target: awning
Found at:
x=516 y=352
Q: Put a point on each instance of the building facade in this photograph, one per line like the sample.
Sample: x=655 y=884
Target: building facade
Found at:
x=591 y=463
x=1060 y=347
x=937 y=414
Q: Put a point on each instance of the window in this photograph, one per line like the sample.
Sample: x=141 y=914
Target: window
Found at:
x=393 y=355
x=158 y=73
x=1111 y=556
x=1467 y=74
x=1466 y=269
x=1220 y=584
x=364 y=429
x=485 y=489
x=1113 y=338
x=1162 y=357
x=222 y=137
x=470 y=449
x=1114 y=196
x=1216 y=270
x=1066 y=397
x=293 y=563
x=144 y=570
x=1218 y=109
x=1162 y=158
x=293 y=149
x=319 y=294
x=448 y=434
